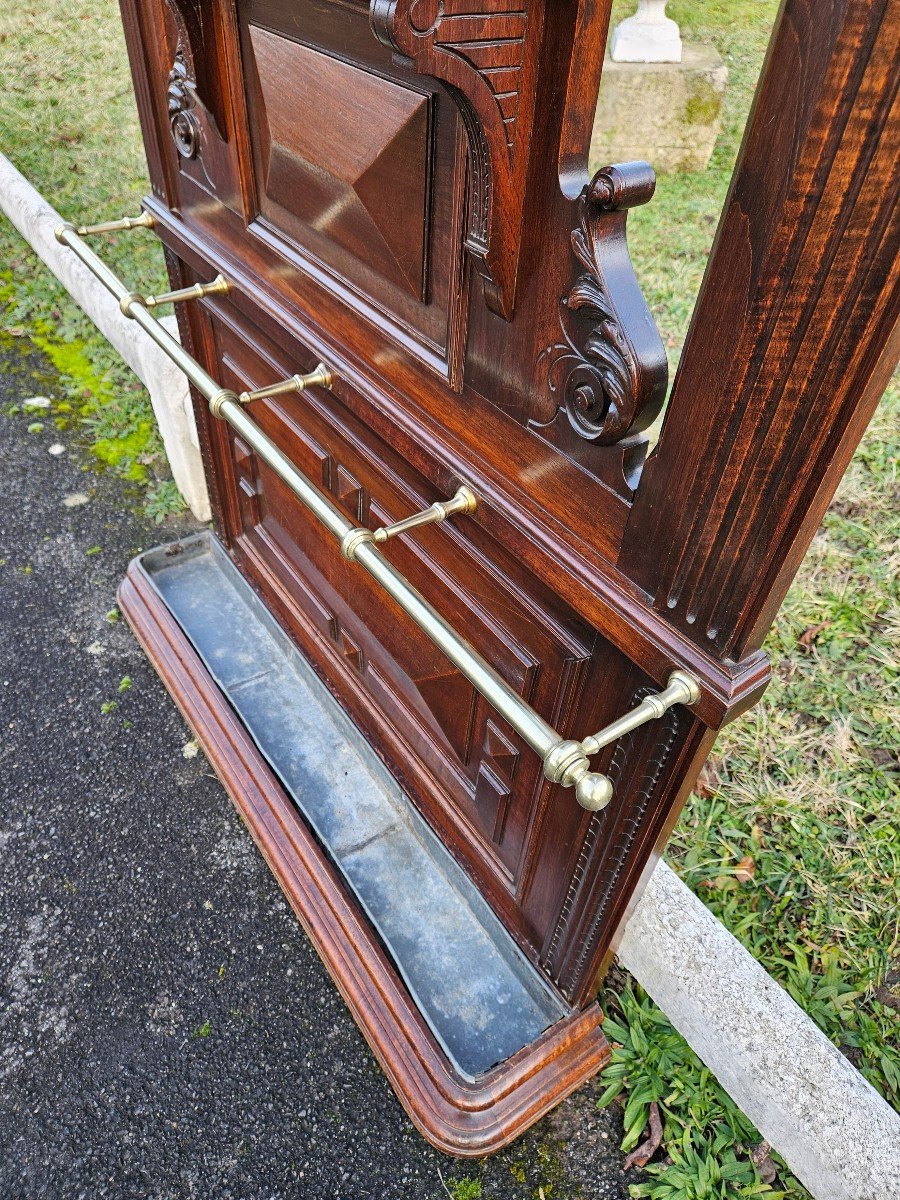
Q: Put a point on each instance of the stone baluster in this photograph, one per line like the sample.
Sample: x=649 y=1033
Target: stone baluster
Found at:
x=648 y=36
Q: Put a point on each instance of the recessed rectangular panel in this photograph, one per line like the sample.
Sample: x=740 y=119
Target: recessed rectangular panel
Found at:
x=471 y=774
x=359 y=170
x=361 y=142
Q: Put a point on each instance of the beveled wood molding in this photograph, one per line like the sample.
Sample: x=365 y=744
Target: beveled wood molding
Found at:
x=584 y=921
x=487 y=55
x=457 y=1115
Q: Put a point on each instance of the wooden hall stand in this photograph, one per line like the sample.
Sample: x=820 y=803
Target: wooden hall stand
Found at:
x=400 y=296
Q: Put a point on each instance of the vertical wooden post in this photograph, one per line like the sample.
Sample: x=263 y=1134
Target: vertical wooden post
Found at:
x=794 y=336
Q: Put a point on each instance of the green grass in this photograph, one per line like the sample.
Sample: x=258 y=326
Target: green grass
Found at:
x=671 y=237
x=464 y=1189
x=793 y=839
x=68 y=121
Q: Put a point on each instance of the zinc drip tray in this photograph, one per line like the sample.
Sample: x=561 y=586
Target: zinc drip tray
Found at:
x=480 y=996
x=475 y=1041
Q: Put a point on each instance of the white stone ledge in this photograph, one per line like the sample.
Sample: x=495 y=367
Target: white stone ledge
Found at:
x=36 y=221
x=839 y=1137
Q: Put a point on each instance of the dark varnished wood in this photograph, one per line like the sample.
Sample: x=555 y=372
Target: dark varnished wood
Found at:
x=352 y=169
x=338 y=171
x=567 y=546
x=804 y=278
x=488 y=55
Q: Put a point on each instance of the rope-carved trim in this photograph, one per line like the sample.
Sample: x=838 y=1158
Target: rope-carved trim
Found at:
x=625 y=839
x=615 y=857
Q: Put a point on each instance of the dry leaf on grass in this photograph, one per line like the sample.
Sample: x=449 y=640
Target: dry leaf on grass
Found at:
x=808 y=636
x=745 y=870
x=709 y=782
x=761 y=1158
x=641 y=1155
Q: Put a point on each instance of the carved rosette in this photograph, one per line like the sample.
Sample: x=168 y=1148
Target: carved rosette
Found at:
x=608 y=373
x=181 y=102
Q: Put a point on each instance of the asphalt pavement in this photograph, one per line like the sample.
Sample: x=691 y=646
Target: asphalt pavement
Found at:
x=166 y=1029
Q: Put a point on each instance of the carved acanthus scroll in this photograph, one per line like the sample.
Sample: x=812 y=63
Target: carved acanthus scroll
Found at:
x=192 y=97
x=487 y=57
x=608 y=374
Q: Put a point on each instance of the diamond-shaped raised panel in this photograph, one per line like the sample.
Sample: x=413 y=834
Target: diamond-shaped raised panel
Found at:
x=248 y=484
x=361 y=146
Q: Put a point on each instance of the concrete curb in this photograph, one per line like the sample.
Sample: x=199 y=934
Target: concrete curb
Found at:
x=832 y=1128
x=36 y=220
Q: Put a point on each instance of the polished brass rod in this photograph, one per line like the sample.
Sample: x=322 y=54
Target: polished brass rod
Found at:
x=681 y=689
x=566 y=762
x=69 y=236
x=123 y=224
x=131 y=305
x=317 y=502
x=217 y=287
x=538 y=734
x=322 y=376
x=464 y=502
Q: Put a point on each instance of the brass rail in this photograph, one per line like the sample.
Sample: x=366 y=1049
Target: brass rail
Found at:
x=566 y=761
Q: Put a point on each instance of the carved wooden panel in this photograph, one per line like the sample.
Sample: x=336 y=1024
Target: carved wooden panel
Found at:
x=339 y=170
x=487 y=53
x=608 y=373
x=197 y=109
x=466 y=768
x=358 y=168
x=585 y=922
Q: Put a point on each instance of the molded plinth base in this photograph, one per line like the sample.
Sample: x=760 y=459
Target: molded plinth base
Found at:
x=667 y=113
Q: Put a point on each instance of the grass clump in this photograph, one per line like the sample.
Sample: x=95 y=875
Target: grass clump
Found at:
x=793 y=840
x=793 y=836
x=708 y=1139
x=464 y=1189
x=68 y=121
x=164 y=500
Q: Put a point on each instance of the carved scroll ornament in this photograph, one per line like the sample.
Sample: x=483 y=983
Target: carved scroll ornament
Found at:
x=608 y=373
x=191 y=96
x=485 y=53
x=181 y=101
